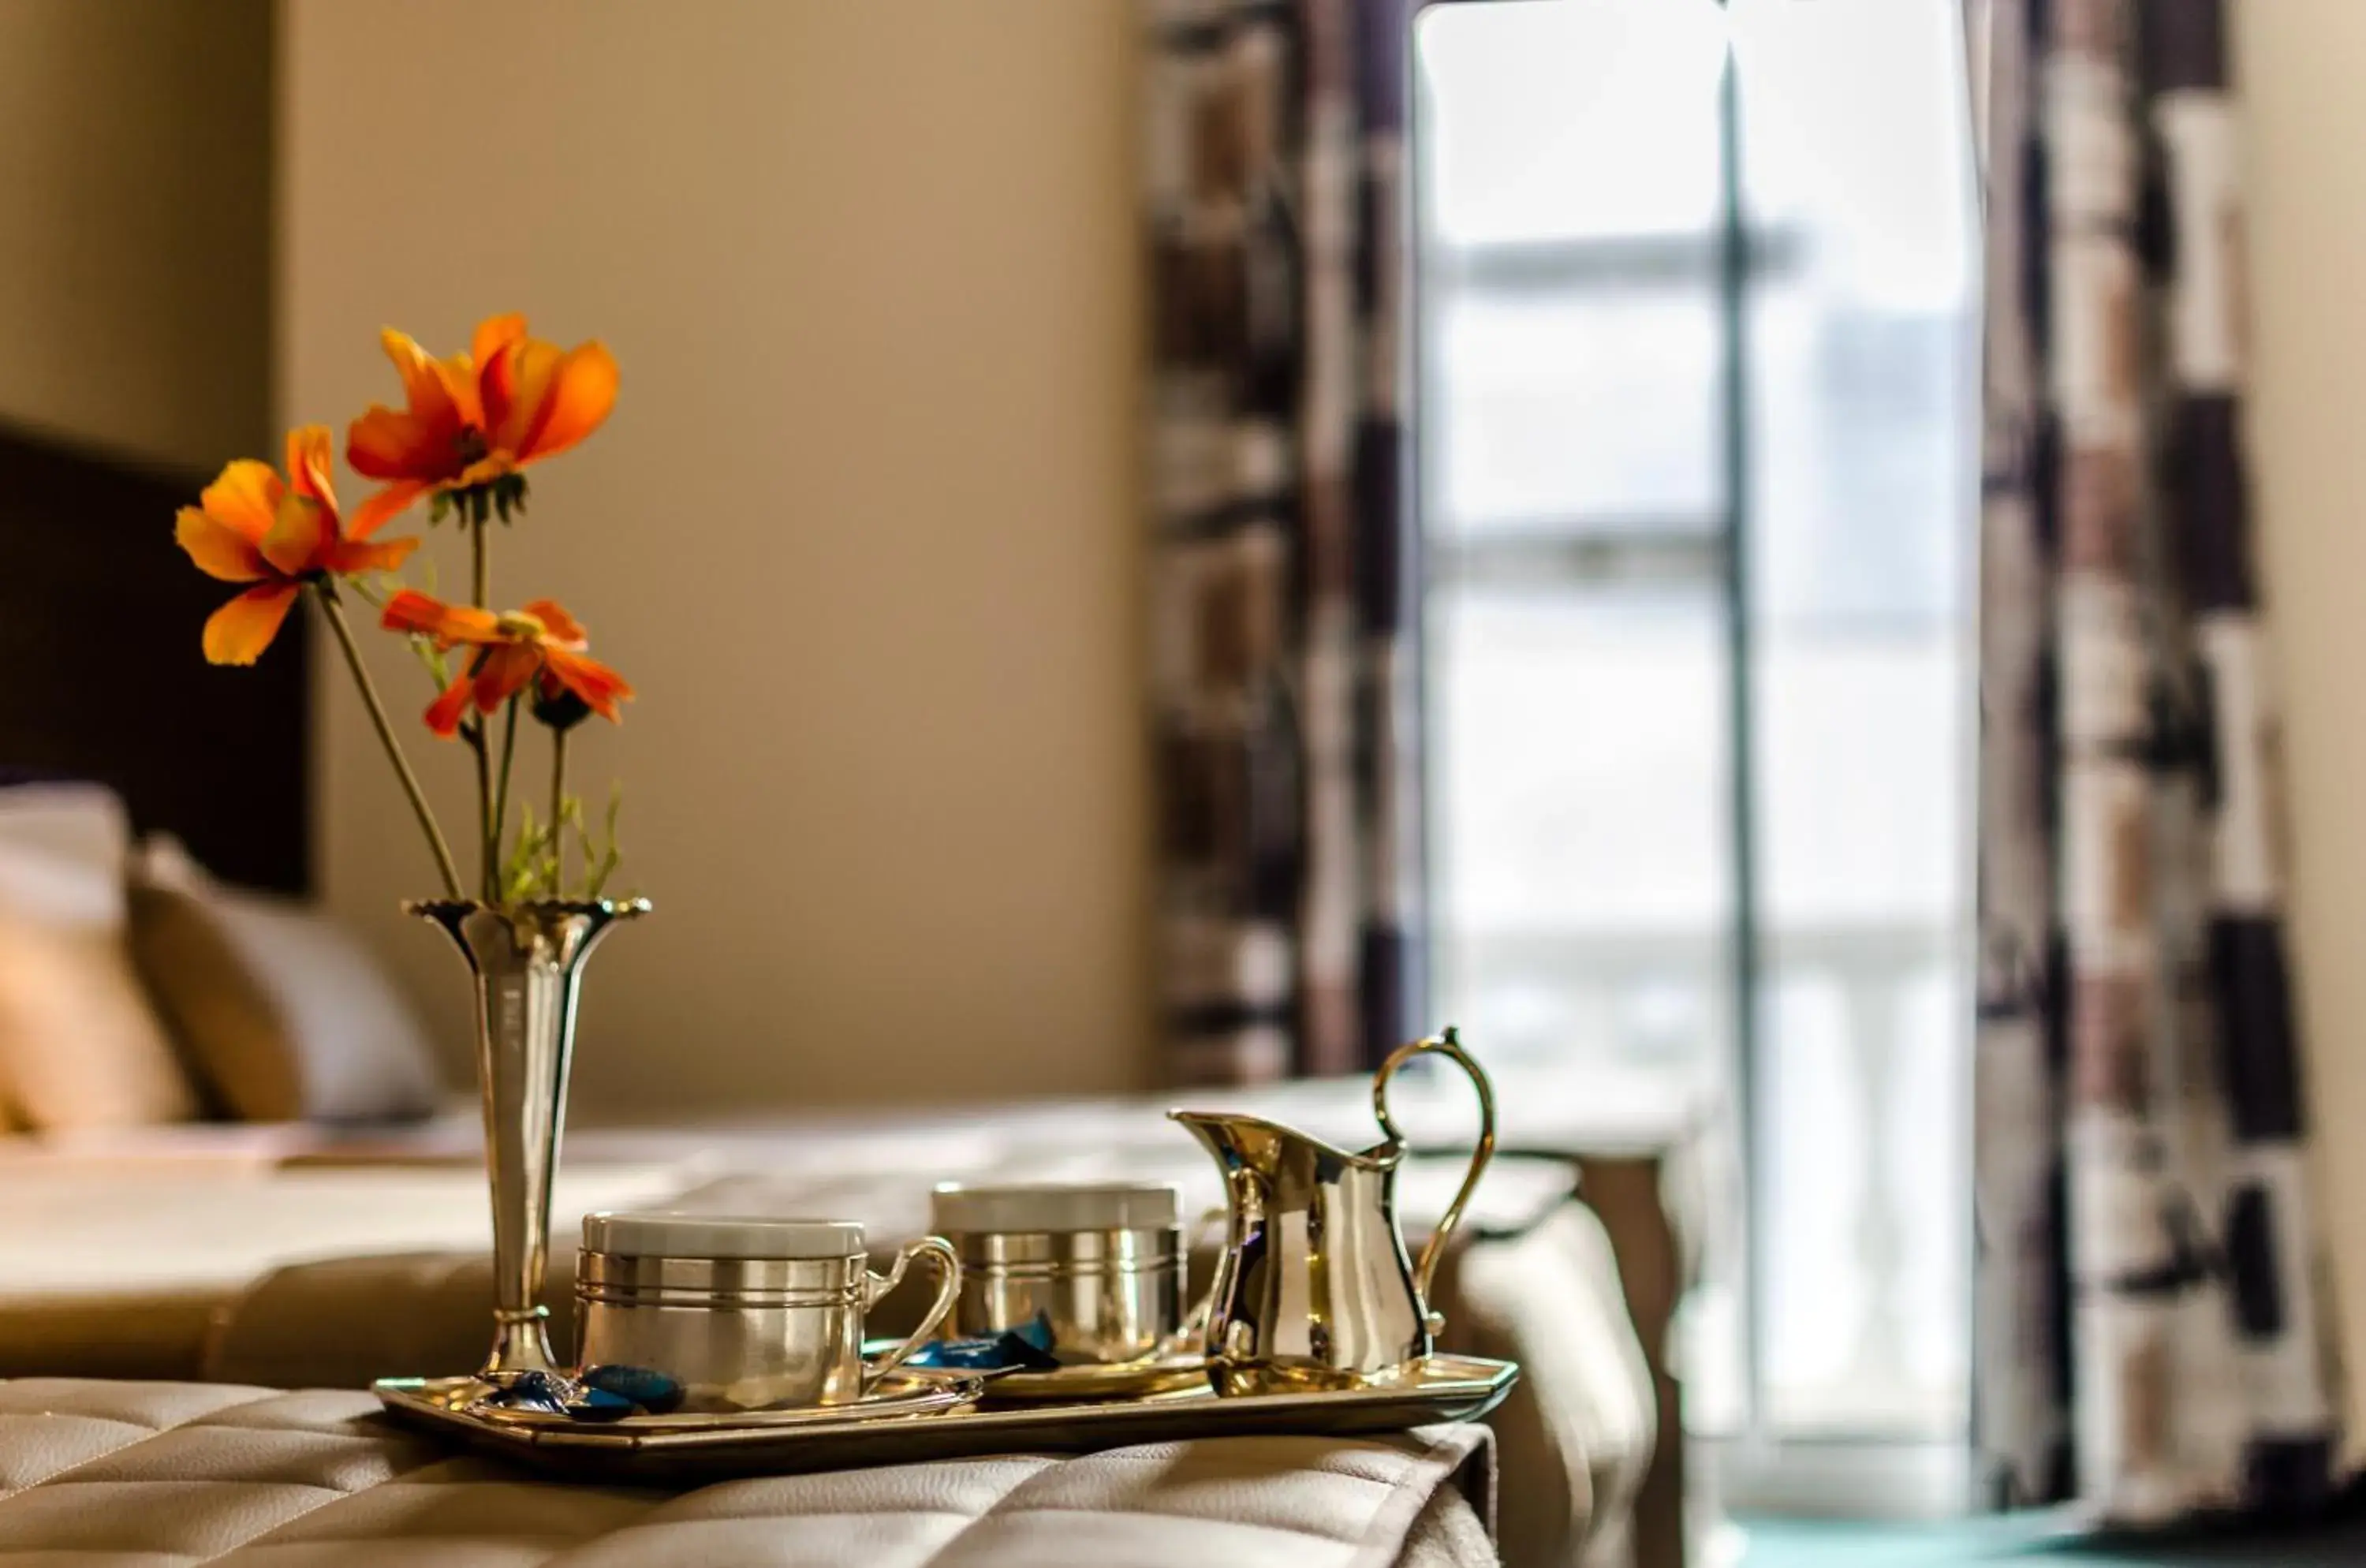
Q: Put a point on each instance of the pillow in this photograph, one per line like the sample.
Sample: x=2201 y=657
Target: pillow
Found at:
x=79 y=1045
x=279 y=1014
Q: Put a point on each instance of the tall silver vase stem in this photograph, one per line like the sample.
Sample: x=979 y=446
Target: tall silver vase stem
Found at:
x=527 y=960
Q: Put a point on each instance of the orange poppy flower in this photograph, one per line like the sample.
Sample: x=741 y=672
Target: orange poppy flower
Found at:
x=477 y=417
x=541 y=643
x=250 y=526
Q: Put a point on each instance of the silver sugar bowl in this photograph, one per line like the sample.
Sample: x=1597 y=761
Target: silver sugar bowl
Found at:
x=746 y=1313
x=1102 y=1264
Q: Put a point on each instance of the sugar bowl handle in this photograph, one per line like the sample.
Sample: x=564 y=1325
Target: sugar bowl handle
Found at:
x=1449 y=1046
x=948 y=1287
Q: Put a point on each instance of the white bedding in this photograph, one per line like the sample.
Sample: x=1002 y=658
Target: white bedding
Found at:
x=102 y=1230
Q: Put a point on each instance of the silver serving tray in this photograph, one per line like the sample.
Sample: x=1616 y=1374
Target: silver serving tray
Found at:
x=905 y=1424
x=1144 y=1379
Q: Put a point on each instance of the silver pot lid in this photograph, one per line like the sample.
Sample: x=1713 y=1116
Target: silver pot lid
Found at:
x=660 y=1235
x=1054 y=1206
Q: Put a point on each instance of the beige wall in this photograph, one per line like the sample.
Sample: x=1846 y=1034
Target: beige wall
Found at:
x=134 y=188
x=862 y=528
x=2301 y=62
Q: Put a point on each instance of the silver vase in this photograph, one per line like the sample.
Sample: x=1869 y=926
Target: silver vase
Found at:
x=527 y=960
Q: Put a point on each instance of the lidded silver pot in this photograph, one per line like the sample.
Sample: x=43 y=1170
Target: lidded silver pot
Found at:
x=1100 y=1267
x=745 y=1313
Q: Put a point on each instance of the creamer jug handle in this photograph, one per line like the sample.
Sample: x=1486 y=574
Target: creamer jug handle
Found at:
x=1450 y=1046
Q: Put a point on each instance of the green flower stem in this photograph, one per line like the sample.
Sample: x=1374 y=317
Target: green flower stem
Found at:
x=502 y=797
x=557 y=806
x=488 y=831
x=482 y=576
x=472 y=735
x=326 y=592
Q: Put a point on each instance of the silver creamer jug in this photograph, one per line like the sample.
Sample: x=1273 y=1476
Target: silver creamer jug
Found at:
x=1315 y=1289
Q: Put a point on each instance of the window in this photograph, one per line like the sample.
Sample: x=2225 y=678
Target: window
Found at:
x=1697 y=474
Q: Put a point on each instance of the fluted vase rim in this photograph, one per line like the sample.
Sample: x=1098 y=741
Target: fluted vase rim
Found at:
x=613 y=908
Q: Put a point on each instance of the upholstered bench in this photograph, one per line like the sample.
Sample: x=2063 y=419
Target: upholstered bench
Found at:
x=98 y=1475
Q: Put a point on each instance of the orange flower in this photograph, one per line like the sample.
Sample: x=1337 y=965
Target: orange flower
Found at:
x=250 y=526
x=541 y=643
x=477 y=417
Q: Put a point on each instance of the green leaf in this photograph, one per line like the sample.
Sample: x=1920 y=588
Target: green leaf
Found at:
x=438 y=664
x=509 y=497
x=530 y=870
x=605 y=863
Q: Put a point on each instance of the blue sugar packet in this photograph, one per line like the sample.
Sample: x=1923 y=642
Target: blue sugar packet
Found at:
x=534 y=1391
x=549 y=1394
x=651 y=1390
x=1025 y=1348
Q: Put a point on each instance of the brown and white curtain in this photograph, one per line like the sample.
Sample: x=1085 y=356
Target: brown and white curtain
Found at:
x=1285 y=671
x=2152 y=1332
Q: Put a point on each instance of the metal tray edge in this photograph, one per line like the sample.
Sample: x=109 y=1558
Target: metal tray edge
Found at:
x=725 y=1450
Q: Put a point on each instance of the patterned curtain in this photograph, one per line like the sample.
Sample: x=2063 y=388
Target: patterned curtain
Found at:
x=1285 y=672
x=2152 y=1332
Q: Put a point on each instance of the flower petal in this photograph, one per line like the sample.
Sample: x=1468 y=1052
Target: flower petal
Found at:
x=493 y=334
x=242 y=629
x=308 y=463
x=385 y=445
x=347 y=557
x=439 y=390
x=504 y=671
x=601 y=688
x=245 y=496
x=562 y=626
x=582 y=389
x=496 y=376
x=532 y=364
x=219 y=550
x=423 y=441
x=444 y=715
x=302 y=535
x=390 y=503
x=413 y=612
x=459 y=379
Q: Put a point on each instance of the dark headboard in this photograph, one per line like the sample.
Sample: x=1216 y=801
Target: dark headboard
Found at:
x=101 y=676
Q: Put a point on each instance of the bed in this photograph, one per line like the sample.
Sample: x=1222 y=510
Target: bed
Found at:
x=268 y=1245
x=291 y=1256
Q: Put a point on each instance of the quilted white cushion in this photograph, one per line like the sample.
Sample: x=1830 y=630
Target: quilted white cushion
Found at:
x=166 y=1475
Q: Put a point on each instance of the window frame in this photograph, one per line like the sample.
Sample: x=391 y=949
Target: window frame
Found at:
x=1836 y=1470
